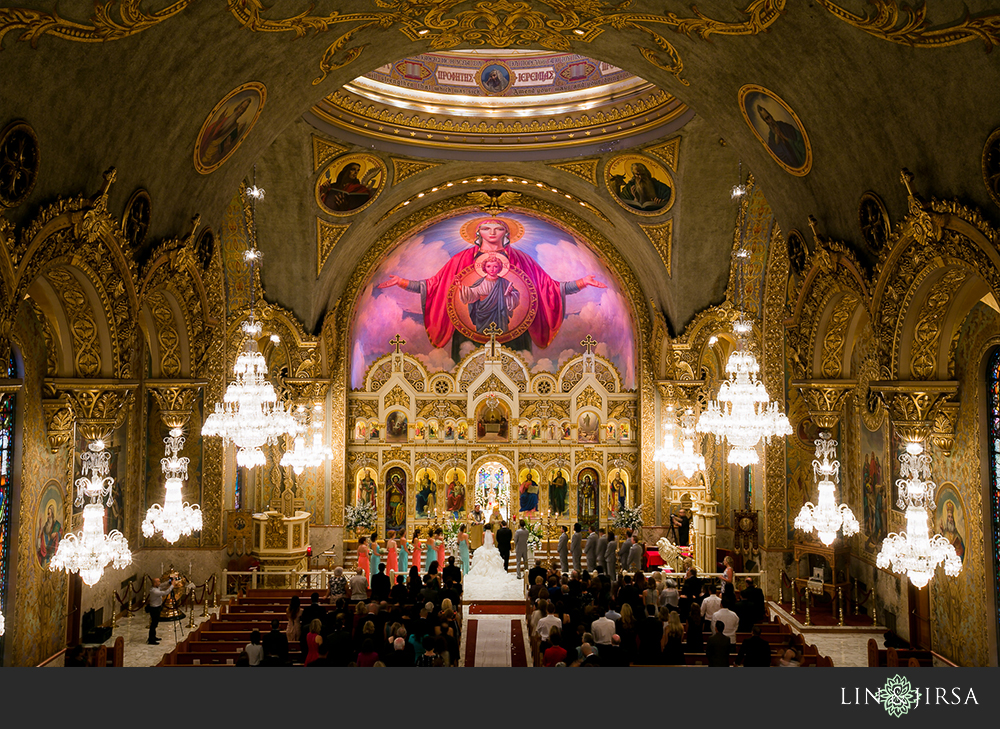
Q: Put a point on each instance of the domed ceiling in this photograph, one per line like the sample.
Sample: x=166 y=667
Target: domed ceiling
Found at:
x=448 y=102
x=871 y=86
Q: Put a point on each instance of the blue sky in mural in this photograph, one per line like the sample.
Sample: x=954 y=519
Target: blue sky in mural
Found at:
x=602 y=312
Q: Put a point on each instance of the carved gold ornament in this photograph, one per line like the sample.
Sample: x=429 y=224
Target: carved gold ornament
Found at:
x=873 y=219
x=909 y=26
x=552 y=24
x=991 y=165
x=19 y=161
x=135 y=221
x=585 y=169
x=327 y=237
x=101 y=27
x=661 y=236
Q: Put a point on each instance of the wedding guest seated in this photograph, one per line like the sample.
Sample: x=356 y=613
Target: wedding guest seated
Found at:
x=536 y=588
x=755 y=652
x=399 y=657
x=670 y=596
x=555 y=653
x=695 y=642
x=612 y=655
x=727 y=616
x=450 y=592
x=367 y=656
x=398 y=592
x=275 y=646
x=539 y=570
x=650 y=635
x=431 y=591
x=750 y=608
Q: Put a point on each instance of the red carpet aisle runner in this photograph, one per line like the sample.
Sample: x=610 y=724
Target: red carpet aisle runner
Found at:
x=495 y=642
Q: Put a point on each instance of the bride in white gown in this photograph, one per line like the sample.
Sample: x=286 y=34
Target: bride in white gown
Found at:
x=487 y=579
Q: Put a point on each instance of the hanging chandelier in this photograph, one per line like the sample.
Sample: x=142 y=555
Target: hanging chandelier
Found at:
x=826 y=518
x=174 y=519
x=250 y=414
x=684 y=458
x=915 y=552
x=307 y=450
x=742 y=412
x=91 y=551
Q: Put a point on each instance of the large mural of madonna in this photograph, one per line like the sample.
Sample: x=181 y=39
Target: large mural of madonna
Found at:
x=444 y=287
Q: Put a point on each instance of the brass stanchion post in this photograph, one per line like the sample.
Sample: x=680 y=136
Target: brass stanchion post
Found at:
x=794 y=591
x=808 y=600
x=840 y=607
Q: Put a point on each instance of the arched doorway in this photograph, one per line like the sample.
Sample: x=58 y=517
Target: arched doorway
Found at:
x=493 y=491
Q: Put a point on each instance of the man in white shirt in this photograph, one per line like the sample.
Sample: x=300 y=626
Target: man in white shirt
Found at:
x=731 y=620
x=545 y=624
x=710 y=605
x=603 y=628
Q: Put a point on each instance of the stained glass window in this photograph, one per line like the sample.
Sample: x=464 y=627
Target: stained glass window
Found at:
x=493 y=490
x=993 y=384
x=6 y=470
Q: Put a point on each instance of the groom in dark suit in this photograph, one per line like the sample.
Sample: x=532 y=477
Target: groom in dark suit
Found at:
x=504 y=536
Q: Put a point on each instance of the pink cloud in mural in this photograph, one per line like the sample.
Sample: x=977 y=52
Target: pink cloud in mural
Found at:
x=444 y=287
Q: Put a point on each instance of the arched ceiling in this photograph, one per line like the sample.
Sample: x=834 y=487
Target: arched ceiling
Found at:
x=876 y=89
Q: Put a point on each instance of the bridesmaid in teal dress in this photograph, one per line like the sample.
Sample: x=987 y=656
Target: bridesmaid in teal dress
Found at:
x=376 y=553
x=430 y=550
x=463 y=549
x=404 y=557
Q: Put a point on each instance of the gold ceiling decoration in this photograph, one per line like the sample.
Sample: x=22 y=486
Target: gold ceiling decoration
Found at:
x=669 y=152
x=101 y=26
x=327 y=237
x=661 y=236
x=585 y=169
x=551 y=24
x=324 y=151
x=909 y=26
x=616 y=119
x=403 y=169
x=482 y=198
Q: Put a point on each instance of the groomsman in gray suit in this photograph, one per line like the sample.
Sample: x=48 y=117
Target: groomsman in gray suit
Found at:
x=563 y=550
x=635 y=556
x=611 y=555
x=602 y=550
x=576 y=547
x=521 y=548
x=623 y=550
x=591 y=550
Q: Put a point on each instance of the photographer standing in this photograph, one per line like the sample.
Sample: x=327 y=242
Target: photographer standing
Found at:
x=154 y=604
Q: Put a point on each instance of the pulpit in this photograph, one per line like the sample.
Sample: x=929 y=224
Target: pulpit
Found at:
x=281 y=536
x=704 y=524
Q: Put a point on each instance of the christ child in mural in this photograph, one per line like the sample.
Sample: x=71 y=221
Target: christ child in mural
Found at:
x=491 y=282
x=455 y=495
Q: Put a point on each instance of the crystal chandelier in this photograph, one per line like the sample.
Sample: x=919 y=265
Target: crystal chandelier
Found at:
x=742 y=413
x=307 y=450
x=826 y=517
x=915 y=552
x=174 y=519
x=684 y=459
x=739 y=189
x=250 y=414
x=92 y=550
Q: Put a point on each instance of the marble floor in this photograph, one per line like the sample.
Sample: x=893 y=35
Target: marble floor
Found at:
x=493 y=636
x=138 y=653
x=847 y=646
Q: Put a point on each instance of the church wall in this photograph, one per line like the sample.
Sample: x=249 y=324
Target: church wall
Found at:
x=39 y=595
x=960 y=605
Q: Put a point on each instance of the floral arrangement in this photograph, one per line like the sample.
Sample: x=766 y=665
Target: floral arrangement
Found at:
x=534 y=535
x=450 y=530
x=362 y=517
x=628 y=518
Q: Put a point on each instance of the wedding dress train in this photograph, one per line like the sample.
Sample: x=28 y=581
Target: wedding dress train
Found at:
x=487 y=579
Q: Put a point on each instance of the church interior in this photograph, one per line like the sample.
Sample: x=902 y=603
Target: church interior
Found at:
x=276 y=277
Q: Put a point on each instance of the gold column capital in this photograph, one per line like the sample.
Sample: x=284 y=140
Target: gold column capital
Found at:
x=680 y=393
x=826 y=399
x=176 y=399
x=99 y=406
x=918 y=408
